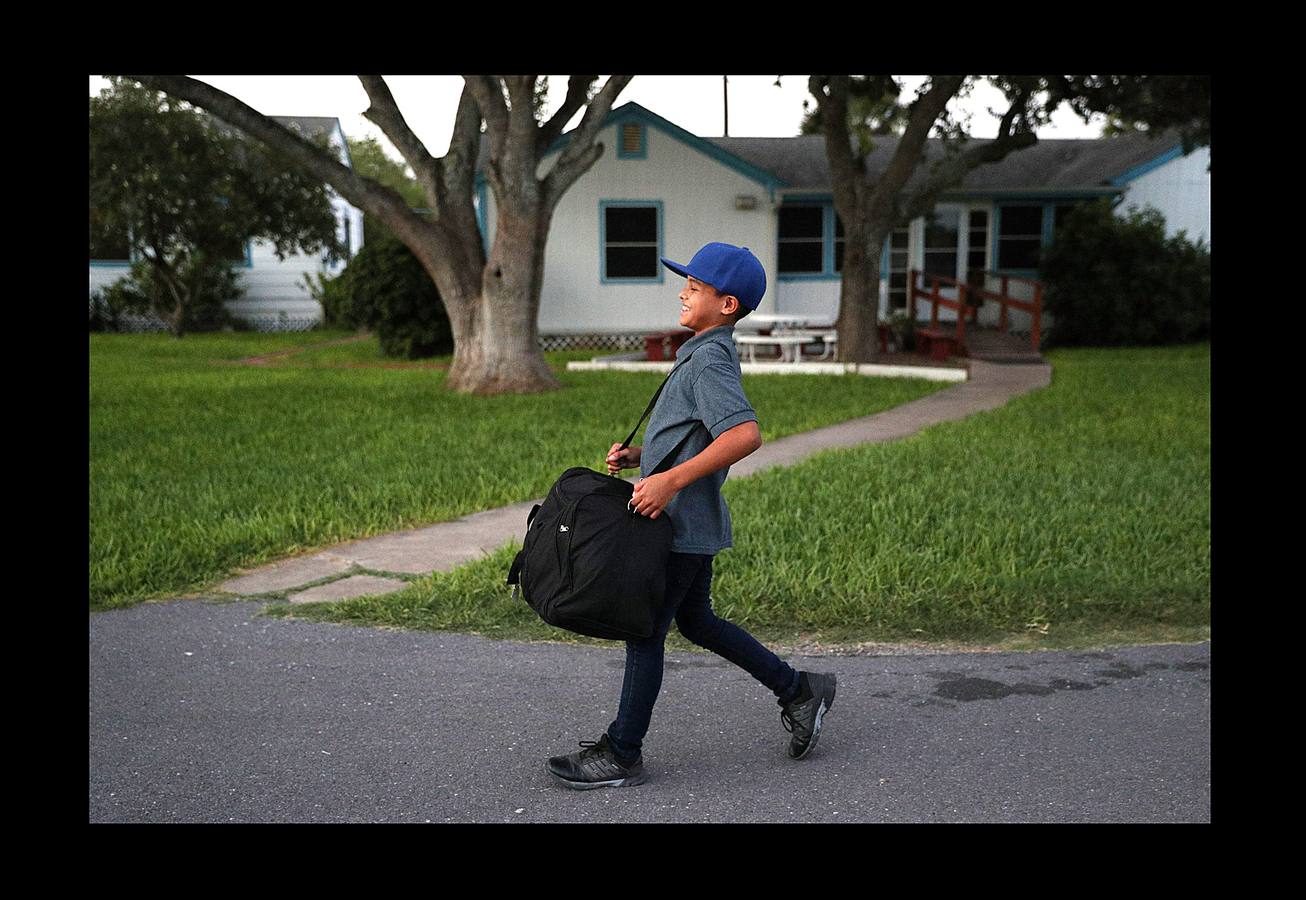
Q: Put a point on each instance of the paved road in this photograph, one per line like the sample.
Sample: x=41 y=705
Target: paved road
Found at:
x=205 y=712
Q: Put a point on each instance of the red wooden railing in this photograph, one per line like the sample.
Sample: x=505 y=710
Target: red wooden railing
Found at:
x=1003 y=298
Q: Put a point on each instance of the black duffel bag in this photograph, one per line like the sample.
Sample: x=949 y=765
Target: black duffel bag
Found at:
x=589 y=563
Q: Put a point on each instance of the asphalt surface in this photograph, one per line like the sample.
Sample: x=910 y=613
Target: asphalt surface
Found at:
x=206 y=712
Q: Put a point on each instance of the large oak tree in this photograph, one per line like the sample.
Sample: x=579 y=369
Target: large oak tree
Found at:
x=493 y=298
x=871 y=205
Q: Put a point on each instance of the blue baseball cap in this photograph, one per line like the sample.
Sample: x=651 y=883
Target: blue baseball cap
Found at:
x=729 y=269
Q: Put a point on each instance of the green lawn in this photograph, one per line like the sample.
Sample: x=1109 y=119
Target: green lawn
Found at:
x=1072 y=516
x=199 y=466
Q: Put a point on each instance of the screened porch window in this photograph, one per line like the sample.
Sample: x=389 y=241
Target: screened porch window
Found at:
x=979 y=241
x=899 y=241
x=942 y=228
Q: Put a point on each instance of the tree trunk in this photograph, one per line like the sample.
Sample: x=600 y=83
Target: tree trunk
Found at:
x=499 y=351
x=859 y=301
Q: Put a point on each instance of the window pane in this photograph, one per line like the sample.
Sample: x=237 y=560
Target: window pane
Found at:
x=979 y=218
x=941 y=227
x=1018 y=253
x=898 y=260
x=801 y=257
x=975 y=259
x=632 y=223
x=802 y=221
x=897 y=281
x=838 y=226
x=941 y=262
x=899 y=239
x=1023 y=220
x=632 y=262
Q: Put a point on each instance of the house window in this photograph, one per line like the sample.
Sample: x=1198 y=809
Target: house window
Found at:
x=632 y=240
x=1020 y=234
x=632 y=141
x=802 y=240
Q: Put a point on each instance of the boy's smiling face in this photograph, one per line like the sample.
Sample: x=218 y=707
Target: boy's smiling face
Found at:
x=701 y=307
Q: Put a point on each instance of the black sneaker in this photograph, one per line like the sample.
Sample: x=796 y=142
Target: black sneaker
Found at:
x=596 y=766
x=801 y=716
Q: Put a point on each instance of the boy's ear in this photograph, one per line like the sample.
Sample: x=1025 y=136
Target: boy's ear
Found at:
x=730 y=310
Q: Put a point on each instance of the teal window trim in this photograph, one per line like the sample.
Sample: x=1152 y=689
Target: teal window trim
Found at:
x=246 y=263
x=826 y=205
x=603 y=242
x=642 y=152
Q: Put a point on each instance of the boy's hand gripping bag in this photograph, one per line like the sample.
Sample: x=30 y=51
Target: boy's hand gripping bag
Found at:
x=589 y=563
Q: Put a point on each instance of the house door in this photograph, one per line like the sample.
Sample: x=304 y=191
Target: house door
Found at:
x=943 y=250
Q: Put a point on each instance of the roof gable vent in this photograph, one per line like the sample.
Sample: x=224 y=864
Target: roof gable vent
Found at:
x=631 y=141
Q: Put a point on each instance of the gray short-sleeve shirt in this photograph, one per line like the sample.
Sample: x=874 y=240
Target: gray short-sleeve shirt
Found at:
x=704 y=397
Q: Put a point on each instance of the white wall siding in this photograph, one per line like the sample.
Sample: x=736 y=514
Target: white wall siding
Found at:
x=697 y=194
x=1181 y=190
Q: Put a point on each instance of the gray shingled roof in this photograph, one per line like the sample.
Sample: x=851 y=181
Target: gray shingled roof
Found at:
x=1051 y=164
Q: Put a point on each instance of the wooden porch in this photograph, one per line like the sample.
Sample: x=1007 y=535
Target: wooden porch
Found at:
x=991 y=343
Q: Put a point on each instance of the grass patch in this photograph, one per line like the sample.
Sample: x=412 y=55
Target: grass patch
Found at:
x=1076 y=516
x=198 y=467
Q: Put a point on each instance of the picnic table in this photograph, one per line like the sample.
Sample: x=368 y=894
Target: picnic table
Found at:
x=790 y=343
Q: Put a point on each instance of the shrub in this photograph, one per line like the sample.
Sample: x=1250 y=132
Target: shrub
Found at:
x=1113 y=281
x=104 y=317
x=209 y=283
x=384 y=288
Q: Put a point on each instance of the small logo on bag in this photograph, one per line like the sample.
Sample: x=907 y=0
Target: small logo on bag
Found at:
x=563 y=528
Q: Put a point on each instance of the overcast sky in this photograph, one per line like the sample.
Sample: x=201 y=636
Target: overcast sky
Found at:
x=694 y=102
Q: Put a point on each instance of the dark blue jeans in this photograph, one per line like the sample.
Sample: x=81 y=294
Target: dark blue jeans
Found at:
x=688 y=601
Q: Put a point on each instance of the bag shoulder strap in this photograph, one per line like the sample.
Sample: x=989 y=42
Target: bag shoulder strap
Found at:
x=654 y=401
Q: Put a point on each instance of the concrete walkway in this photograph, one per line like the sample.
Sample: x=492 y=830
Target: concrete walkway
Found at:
x=383 y=564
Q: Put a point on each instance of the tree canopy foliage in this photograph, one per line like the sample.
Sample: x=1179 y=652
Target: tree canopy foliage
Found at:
x=176 y=189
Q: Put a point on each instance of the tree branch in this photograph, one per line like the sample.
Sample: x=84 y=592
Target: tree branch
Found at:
x=580 y=152
x=847 y=169
x=385 y=113
x=489 y=99
x=577 y=92
x=521 y=117
x=368 y=195
x=1012 y=136
x=925 y=111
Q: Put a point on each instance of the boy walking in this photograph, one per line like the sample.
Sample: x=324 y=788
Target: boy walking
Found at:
x=703 y=399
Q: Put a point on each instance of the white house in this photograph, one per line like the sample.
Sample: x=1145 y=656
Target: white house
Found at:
x=659 y=190
x=276 y=298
